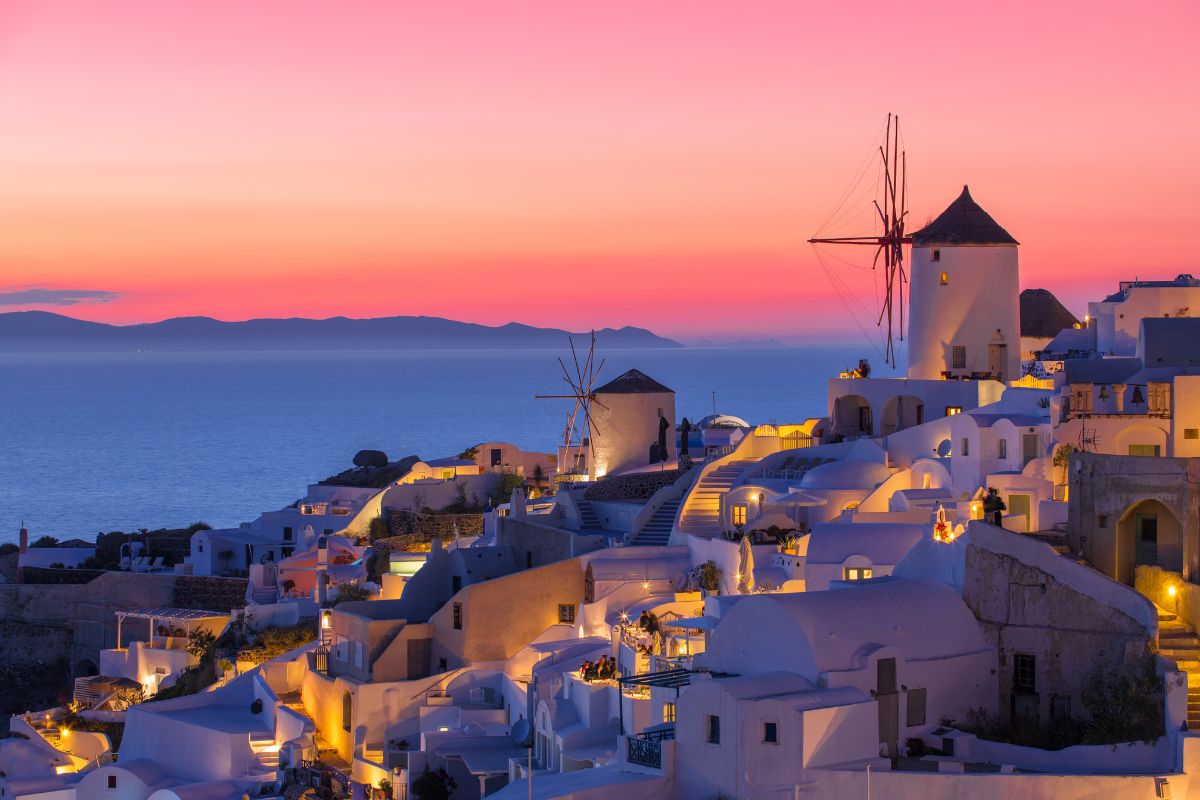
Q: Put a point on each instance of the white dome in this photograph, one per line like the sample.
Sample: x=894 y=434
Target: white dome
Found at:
x=722 y=421
x=846 y=475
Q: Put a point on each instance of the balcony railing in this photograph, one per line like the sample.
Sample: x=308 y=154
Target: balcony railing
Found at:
x=645 y=749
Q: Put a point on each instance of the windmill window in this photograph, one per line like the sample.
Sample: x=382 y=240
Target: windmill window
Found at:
x=945 y=279
x=936 y=256
x=958 y=357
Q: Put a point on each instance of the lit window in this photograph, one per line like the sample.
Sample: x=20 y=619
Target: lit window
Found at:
x=714 y=729
x=945 y=279
x=739 y=514
x=1002 y=449
x=1191 y=433
x=1144 y=450
x=566 y=614
x=952 y=410
x=856 y=573
x=458 y=616
x=668 y=712
x=771 y=733
x=958 y=356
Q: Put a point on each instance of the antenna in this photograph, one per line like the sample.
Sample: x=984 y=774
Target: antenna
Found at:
x=892 y=213
x=579 y=428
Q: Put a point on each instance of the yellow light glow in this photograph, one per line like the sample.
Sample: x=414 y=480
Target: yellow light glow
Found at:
x=327 y=620
x=1171 y=590
x=624 y=616
x=443 y=729
x=64 y=732
x=645 y=585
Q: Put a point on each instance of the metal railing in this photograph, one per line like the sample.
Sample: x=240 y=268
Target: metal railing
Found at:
x=645 y=749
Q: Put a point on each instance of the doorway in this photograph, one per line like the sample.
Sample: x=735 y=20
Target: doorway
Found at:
x=1146 y=530
x=997 y=360
x=1019 y=504
x=887 y=699
x=1029 y=448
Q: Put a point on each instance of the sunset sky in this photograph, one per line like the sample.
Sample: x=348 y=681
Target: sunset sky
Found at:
x=568 y=163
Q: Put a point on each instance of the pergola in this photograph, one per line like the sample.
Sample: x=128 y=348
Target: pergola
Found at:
x=187 y=616
x=667 y=679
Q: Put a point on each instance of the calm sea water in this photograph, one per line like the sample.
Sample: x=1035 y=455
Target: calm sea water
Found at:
x=120 y=441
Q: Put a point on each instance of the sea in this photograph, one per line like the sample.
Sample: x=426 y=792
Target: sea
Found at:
x=121 y=441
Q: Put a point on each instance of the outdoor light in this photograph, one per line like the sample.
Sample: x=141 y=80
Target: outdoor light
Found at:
x=326 y=619
x=646 y=585
x=624 y=616
x=1171 y=590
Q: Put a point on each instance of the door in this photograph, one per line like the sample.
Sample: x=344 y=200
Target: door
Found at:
x=1019 y=504
x=997 y=360
x=1029 y=448
x=1146 y=530
x=888 y=701
x=864 y=420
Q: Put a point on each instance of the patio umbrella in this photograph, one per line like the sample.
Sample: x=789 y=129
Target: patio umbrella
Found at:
x=791 y=500
x=745 y=567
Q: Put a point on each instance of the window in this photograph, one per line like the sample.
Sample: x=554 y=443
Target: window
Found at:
x=739 y=514
x=936 y=255
x=856 y=573
x=1060 y=707
x=1002 y=449
x=455 y=584
x=458 y=616
x=287 y=533
x=497 y=457
x=966 y=446
x=1102 y=521
x=528 y=559
x=347 y=711
x=945 y=279
x=952 y=410
x=442 y=665
x=915 y=714
x=1024 y=673
x=770 y=733
x=112 y=781
x=566 y=613
x=668 y=712
x=714 y=729
x=958 y=357
x=1191 y=433
x=1144 y=450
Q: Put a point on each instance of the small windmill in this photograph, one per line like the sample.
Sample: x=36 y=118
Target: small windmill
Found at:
x=579 y=428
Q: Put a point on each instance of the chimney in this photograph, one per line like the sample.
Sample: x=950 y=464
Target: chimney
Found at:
x=24 y=540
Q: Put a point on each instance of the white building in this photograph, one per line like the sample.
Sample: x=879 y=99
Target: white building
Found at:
x=625 y=424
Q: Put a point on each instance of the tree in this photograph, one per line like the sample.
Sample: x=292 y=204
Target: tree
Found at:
x=7 y=548
x=433 y=785
x=45 y=541
x=201 y=644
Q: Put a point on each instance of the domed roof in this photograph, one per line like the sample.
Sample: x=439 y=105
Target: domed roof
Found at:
x=963 y=222
x=846 y=475
x=722 y=421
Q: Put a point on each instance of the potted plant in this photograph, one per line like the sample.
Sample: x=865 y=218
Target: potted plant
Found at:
x=708 y=576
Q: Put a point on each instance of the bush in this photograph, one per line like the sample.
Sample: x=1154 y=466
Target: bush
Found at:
x=8 y=548
x=1125 y=704
x=350 y=592
x=708 y=576
x=274 y=641
x=45 y=541
x=433 y=785
x=201 y=644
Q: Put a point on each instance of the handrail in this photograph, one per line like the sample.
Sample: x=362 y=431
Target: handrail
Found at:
x=429 y=689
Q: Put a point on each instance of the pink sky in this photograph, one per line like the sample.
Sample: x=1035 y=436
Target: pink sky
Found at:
x=572 y=164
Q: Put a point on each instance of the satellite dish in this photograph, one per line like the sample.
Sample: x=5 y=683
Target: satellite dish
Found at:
x=521 y=733
x=943 y=448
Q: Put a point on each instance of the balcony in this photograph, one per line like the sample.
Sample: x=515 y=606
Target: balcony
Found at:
x=645 y=749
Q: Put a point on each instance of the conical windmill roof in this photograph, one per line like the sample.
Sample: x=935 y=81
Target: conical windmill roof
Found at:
x=1042 y=315
x=963 y=223
x=633 y=382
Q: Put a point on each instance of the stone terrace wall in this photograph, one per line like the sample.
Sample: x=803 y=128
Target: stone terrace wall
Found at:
x=209 y=593
x=640 y=486
x=45 y=575
x=407 y=523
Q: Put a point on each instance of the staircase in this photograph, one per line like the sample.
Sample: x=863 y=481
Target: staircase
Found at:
x=1178 y=641
x=587 y=515
x=264 y=595
x=266 y=752
x=657 y=530
x=701 y=515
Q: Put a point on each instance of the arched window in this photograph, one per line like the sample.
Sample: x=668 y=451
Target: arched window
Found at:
x=347 y=711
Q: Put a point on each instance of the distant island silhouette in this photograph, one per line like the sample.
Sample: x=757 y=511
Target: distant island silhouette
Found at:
x=45 y=332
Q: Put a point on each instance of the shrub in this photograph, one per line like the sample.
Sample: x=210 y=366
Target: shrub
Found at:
x=201 y=644
x=45 y=541
x=708 y=576
x=1125 y=703
x=434 y=785
x=8 y=548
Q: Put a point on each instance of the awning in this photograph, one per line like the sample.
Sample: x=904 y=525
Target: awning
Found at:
x=172 y=614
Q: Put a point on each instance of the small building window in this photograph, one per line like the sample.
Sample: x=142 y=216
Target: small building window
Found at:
x=1002 y=449
x=112 y=781
x=958 y=357
x=936 y=255
x=1144 y=450
x=1191 y=433
x=856 y=573
x=714 y=729
x=1102 y=521
x=739 y=514
x=287 y=533
x=458 y=616
x=497 y=457
x=945 y=279
x=915 y=713
x=770 y=733
x=668 y=712
x=966 y=446
x=1024 y=673
x=952 y=410
x=1060 y=708
x=455 y=584
x=442 y=665
x=566 y=613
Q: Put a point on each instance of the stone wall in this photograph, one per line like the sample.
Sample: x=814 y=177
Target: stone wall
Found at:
x=536 y=545
x=404 y=522
x=639 y=486
x=1026 y=608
